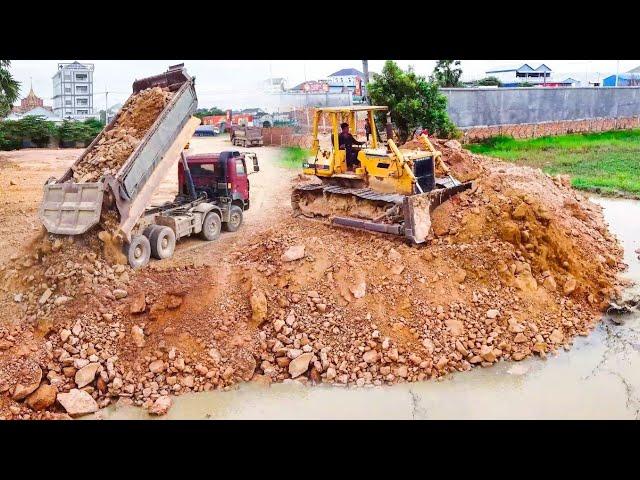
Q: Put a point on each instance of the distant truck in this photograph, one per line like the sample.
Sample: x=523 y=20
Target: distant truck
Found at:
x=246 y=136
x=215 y=195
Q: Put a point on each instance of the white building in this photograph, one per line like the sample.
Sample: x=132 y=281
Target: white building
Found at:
x=73 y=91
x=346 y=80
x=513 y=76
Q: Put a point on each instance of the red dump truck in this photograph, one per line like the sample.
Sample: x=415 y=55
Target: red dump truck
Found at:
x=246 y=136
x=215 y=195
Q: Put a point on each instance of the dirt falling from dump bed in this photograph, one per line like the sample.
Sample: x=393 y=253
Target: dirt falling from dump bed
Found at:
x=135 y=119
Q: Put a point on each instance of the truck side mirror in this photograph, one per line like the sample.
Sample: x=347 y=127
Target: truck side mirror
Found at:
x=256 y=167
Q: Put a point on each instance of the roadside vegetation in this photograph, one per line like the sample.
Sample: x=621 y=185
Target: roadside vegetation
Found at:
x=41 y=131
x=606 y=163
x=292 y=157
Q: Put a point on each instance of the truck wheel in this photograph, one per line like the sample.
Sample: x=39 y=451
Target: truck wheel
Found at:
x=149 y=231
x=211 y=226
x=235 y=219
x=138 y=251
x=163 y=242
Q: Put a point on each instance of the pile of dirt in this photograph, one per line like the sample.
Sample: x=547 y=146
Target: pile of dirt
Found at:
x=517 y=266
x=117 y=144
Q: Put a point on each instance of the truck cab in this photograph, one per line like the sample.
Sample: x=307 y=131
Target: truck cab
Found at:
x=223 y=177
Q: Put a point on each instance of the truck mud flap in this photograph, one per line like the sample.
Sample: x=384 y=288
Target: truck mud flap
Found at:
x=71 y=208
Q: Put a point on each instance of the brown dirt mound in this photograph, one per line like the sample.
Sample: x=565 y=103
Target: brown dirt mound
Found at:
x=136 y=118
x=517 y=266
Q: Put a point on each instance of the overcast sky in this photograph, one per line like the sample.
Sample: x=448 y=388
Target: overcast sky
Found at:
x=238 y=83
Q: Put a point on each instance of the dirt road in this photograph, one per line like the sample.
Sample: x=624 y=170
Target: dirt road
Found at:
x=22 y=175
x=24 y=172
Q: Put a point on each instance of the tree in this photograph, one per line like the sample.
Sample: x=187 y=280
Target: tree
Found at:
x=412 y=100
x=206 y=112
x=447 y=73
x=9 y=88
x=489 y=81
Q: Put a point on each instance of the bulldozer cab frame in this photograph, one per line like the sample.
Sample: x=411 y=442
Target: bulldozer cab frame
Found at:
x=332 y=161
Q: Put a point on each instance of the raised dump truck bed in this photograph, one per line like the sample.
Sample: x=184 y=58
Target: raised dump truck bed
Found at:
x=72 y=208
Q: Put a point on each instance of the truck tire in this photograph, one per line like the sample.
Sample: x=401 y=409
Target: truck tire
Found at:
x=163 y=242
x=211 y=226
x=235 y=219
x=138 y=251
x=149 y=231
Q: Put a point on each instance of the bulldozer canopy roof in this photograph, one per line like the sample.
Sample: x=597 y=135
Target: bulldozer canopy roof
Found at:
x=356 y=108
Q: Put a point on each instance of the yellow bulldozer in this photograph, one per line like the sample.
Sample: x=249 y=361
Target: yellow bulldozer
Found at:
x=387 y=189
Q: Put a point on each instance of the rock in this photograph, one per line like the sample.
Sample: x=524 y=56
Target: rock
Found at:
x=5 y=345
x=460 y=275
x=30 y=378
x=119 y=293
x=550 y=284
x=161 y=406
x=461 y=348
x=61 y=300
x=393 y=355
x=520 y=338
x=402 y=371
x=86 y=374
x=394 y=256
x=42 y=398
x=556 y=336
x=300 y=364
x=453 y=144
x=77 y=402
x=138 y=303
x=518 y=356
x=487 y=353
x=569 y=286
x=156 y=367
x=539 y=347
x=456 y=327
x=331 y=373
x=359 y=290
x=370 y=357
x=493 y=313
x=397 y=269
x=258 y=306
x=187 y=381
x=442 y=362
x=293 y=253
x=137 y=334
x=515 y=327
x=45 y=296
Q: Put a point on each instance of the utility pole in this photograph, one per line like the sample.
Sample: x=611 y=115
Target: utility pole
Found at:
x=365 y=70
x=617 y=71
x=106 y=106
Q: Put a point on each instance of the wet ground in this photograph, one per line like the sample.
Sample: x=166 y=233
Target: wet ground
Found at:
x=598 y=379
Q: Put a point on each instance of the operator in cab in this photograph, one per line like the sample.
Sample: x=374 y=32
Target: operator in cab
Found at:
x=346 y=142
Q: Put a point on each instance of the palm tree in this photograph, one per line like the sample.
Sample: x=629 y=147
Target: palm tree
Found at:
x=9 y=88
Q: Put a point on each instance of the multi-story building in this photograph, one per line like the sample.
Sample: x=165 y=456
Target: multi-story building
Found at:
x=73 y=91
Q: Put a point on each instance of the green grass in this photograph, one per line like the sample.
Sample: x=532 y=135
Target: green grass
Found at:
x=292 y=157
x=607 y=162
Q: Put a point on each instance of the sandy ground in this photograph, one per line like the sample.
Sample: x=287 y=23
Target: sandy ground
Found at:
x=30 y=168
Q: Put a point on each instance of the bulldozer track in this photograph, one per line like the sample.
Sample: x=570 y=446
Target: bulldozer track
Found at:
x=364 y=193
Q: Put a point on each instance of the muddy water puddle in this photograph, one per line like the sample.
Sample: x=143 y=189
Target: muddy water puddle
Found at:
x=598 y=379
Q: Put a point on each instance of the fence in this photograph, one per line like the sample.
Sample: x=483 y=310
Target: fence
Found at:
x=514 y=106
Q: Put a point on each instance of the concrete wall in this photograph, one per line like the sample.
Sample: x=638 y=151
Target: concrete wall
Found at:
x=512 y=106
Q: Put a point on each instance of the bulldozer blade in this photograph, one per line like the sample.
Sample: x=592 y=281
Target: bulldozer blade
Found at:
x=418 y=208
x=393 y=228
